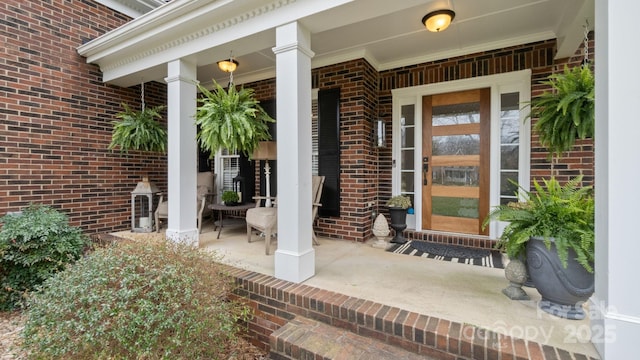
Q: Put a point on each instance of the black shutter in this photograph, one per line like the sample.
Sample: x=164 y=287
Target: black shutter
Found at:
x=203 y=160
x=329 y=150
x=248 y=174
x=204 y=163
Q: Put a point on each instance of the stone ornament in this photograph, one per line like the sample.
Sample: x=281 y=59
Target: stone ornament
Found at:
x=380 y=231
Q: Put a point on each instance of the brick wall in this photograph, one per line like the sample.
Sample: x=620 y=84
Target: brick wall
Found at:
x=536 y=56
x=56 y=119
x=578 y=161
x=56 y=113
x=366 y=95
x=357 y=81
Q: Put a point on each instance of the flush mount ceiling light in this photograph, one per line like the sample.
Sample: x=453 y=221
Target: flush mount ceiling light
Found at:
x=438 y=20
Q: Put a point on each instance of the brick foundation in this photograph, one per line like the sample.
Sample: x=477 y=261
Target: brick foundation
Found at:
x=277 y=302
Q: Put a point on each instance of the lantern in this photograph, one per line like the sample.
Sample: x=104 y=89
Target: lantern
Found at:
x=142 y=206
x=239 y=187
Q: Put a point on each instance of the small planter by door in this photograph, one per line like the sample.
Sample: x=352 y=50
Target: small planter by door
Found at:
x=563 y=290
x=398 y=224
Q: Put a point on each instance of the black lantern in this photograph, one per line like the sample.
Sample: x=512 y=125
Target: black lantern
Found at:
x=239 y=187
x=142 y=199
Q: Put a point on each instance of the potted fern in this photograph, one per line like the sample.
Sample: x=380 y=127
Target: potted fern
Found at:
x=139 y=130
x=564 y=213
x=553 y=227
x=230 y=119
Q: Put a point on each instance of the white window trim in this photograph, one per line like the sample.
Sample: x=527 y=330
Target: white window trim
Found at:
x=518 y=81
x=219 y=169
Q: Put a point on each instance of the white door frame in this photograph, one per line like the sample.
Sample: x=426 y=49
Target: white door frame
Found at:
x=517 y=81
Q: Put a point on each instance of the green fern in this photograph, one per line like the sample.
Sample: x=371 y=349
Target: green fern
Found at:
x=139 y=130
x=567 y=112
x=564 y=213
x=231 y=120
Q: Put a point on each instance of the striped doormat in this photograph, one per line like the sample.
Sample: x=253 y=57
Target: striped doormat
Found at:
x=454 y=253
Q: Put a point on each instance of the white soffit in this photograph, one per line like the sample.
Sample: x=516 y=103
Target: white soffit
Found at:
x=387 y=34
x=132 y=8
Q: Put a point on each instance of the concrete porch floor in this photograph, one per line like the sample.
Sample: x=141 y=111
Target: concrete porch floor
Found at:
x=457 y=292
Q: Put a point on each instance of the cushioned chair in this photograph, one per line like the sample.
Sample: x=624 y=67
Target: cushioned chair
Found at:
x=265 y=219
x=206 y=194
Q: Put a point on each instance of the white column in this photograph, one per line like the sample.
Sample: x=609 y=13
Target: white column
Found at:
x=616 y=303
x=295 y=257
x=181 y=108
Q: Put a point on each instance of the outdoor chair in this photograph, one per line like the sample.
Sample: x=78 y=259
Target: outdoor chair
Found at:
x=206 y=194
x=265 y=219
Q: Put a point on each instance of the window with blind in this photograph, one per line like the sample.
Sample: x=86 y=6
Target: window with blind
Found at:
x=230 y=169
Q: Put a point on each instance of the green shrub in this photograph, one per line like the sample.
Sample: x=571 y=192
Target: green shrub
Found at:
x=33 y=246
x=150 y=300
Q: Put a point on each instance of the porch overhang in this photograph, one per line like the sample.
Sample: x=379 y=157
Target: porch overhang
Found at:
x=382 y=32
x=199 y=30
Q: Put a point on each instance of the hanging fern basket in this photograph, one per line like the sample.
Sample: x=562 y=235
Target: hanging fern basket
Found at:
x=567 y=112
x=139 y=130
x=231 y=119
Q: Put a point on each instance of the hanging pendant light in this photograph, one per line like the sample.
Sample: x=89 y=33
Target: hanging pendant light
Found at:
x=229 y=66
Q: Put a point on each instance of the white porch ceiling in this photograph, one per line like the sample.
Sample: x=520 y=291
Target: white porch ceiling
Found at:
x=388 y=34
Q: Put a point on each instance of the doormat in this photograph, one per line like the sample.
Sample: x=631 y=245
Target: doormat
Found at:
x=454 y=253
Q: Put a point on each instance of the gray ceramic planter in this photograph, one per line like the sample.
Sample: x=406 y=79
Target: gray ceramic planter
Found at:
x=563 y=290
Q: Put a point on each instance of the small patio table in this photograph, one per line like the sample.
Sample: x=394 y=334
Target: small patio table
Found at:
x=222 y=208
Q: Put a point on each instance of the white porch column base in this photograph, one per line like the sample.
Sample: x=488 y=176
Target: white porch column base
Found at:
x=187 y=237
x=295 y=257
x=295 y=266
x=182 y=150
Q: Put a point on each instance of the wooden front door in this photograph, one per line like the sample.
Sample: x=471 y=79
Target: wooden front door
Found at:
x=455 y=161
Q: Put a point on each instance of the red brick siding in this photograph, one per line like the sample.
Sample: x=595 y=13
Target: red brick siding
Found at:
x=366 y=95
x=56 y=116
x=539 y=58
x=358 y=103
x=56 y=119
x=358 y=109
x=578 y=161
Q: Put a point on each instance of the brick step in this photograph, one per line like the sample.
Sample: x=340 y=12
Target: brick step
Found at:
x=303 y=338
x=278 y=302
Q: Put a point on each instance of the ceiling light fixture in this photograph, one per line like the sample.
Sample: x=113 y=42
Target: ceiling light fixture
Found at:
x=438 y=20
x=228 y=65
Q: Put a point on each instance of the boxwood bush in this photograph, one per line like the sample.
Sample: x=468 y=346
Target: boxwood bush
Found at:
x=34 y=245
x=136 y=300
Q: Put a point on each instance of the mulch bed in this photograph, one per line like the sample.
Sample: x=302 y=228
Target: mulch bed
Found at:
x=11 y=324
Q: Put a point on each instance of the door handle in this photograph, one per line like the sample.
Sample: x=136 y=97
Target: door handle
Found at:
x=425 y=170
